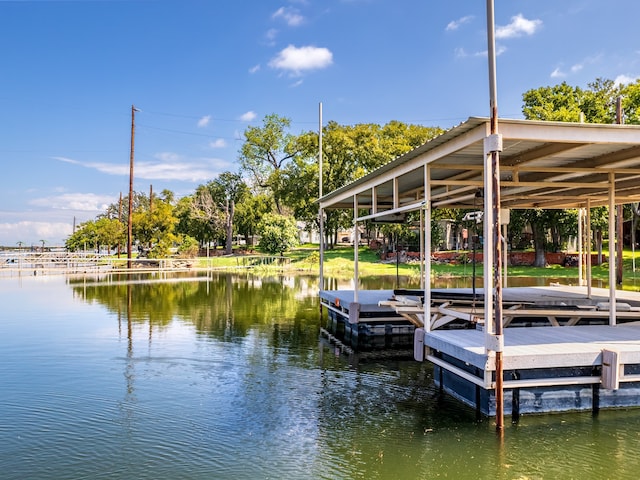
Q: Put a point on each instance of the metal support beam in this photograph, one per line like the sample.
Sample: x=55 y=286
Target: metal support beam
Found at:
x=589 y=234
x=612 y=248
x=427 y=248
x=356 y=241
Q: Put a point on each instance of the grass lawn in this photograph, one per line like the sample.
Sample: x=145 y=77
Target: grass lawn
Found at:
x=339 y=262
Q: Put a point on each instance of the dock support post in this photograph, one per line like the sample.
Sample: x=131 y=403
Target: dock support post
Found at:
x=595 y=394
x=589 y=248
x=427 y=248
x=580 y=249
x=612 y=249
x=515 y=401
x=492 y=249
x=356 y=241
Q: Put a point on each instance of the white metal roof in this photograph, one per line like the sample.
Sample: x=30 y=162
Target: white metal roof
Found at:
x=542 y=165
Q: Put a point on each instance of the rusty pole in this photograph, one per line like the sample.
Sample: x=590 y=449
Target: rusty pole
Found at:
x=494 y=149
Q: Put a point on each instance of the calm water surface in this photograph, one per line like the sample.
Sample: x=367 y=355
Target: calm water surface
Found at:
x=225 y=377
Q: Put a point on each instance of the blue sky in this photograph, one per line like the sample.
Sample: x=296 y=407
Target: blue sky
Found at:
x=201 y=71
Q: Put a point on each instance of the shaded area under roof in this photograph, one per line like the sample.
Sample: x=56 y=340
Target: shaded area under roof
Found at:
x=542 y=165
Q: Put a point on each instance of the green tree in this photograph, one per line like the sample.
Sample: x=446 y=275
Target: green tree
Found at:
x=349 y=152
x=227 y=190
x=557 y=103
x=249 y=213
x=156 y=228
x=85 y=236
x=599 y=101
x=205 y=212
x=565 y=103
x=278 y=233
x=265 y=152
x=110 y=232
x=631 y=102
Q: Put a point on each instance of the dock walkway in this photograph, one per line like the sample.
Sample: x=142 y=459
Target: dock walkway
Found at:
x=551 y=361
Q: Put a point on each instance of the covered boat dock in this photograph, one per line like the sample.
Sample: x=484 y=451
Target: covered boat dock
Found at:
x=542 y=165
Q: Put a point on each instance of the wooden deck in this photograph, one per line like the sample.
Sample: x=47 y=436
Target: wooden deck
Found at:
x=541 y=347
x=551 y=361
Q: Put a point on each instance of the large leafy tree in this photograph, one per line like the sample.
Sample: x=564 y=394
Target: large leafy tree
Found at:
x=631 y=102
x=349 y=152
x=249 y=213
x=155 y=227
x=205 y=215
x=228 y=189
x=265 y=152
x=556 y=103
x=212 y=208
x=595 y=104
x=102 y=232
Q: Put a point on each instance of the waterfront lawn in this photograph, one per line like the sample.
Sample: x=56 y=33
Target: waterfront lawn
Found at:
x=339 y=262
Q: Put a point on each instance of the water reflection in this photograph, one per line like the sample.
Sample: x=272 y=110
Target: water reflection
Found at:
x=225 y=377
x=222 y=306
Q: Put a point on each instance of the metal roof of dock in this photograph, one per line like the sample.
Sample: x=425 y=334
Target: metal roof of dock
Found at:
x=542 y=165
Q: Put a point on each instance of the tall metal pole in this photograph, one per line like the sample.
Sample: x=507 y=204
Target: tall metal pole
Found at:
x=130 y=215
x=493 y=147
x=321 y=211
x=619 y=211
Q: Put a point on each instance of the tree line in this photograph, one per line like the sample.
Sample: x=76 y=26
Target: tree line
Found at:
x=276 y=188
x=274 y=192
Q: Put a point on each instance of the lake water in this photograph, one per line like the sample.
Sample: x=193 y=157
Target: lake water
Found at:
x=225 y=377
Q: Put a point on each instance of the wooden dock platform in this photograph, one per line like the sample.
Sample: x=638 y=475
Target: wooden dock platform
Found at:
x=559 y=351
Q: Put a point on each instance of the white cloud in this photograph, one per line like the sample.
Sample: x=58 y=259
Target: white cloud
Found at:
x=254 y=69
x=500 y=49
x=170 y=166
x=462 y=53
x=290 y=15
x=625 y=79
x=204 y=121
x=218 y=143
x=84 y=202
x=248 y=116
x=299 y=59
x=518 y=27
x=33 y=232
x=576 y=67
x=455 y=24
x=271 y=35
x=297 y=83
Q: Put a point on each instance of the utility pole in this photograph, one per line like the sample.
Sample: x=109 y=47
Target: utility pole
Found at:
x=150 y=210
x=130 y=215
x=119 y=220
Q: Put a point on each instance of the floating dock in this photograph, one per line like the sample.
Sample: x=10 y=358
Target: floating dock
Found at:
x=559 y=353
x=489 y=171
